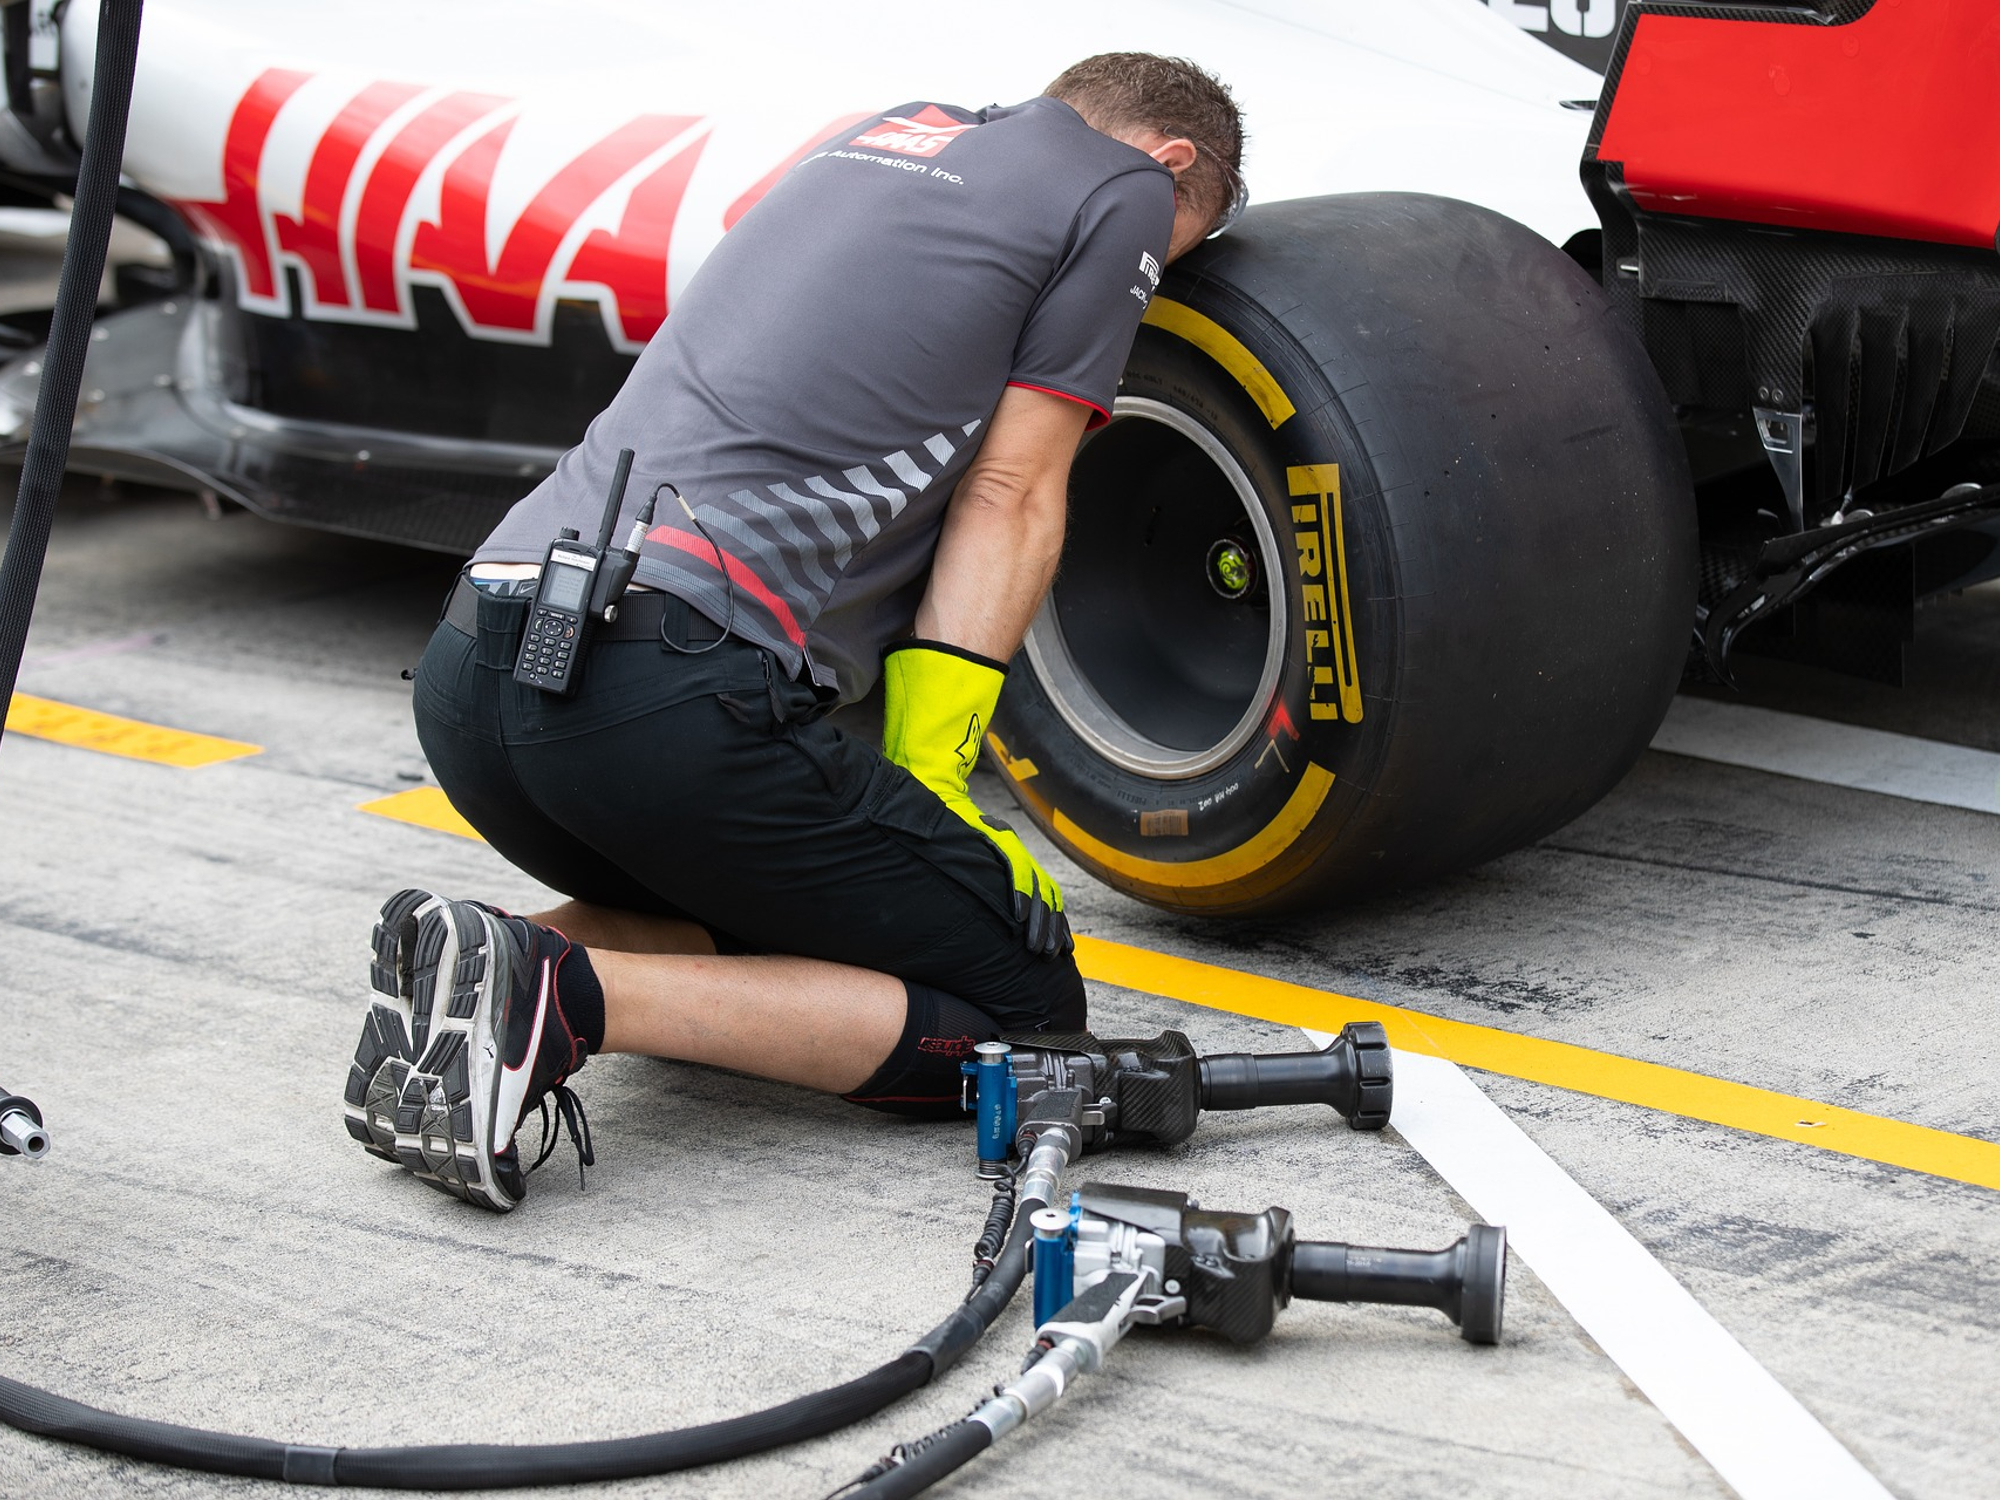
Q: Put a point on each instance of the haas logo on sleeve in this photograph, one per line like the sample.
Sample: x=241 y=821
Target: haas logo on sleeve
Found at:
x=1150 y=269
x=925 y=133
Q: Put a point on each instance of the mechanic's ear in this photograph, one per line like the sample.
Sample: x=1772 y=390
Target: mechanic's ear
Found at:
x=1176 y=155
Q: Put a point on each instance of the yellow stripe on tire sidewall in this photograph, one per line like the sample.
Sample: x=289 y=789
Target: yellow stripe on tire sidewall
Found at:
x=1227 y=350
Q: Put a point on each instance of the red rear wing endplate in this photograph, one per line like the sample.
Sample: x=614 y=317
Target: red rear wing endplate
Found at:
x=1887 y=124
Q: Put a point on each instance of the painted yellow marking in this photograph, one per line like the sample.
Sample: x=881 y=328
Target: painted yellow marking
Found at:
x=1222 y=346
x=1246 y=858
x=1021 y=770
x=426 y=807
x=1581 y=1070
x=87 y=729
x=1329 y=619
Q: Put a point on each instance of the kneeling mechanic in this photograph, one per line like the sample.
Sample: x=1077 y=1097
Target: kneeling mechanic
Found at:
x=869 y=394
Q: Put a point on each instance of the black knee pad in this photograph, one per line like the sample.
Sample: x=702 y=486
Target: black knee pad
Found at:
x=921 y=1078
x=1040 y=997
x=1067 y=1007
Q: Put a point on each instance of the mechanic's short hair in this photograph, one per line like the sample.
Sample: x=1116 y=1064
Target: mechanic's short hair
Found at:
x=1118 y=91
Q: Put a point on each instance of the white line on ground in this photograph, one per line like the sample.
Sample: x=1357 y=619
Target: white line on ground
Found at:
x=1763 y=1443
x=1869 y=760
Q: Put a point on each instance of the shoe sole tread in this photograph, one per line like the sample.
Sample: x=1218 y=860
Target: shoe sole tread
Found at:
x=388 y=1046
x=440 y=1124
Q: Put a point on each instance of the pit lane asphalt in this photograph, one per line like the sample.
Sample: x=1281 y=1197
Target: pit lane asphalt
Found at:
x=186 y=971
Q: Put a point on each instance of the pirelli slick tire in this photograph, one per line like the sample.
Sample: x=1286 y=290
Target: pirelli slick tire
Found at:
x=1385 y=565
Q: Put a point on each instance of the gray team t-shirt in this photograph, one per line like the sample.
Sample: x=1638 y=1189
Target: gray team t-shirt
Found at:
x=822 y=384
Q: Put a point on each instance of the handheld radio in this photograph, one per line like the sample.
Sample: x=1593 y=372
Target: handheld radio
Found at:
x=579 y=586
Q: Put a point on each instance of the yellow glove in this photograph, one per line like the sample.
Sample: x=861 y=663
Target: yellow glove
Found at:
x=938 y=701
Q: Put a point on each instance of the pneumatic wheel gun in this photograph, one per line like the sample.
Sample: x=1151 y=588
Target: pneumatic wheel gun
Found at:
x=1232 y=1272
x=1152 y=1090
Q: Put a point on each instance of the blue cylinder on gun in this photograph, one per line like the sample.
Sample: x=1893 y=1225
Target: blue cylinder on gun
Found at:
x=1055 y=1261
x=990 y=1079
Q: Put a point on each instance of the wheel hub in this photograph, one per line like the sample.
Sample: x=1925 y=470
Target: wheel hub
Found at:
x=1232 y=569
x=1161 y=644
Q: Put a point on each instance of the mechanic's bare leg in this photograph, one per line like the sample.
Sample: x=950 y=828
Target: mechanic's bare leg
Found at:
x=624 y=931
x=797 y=1020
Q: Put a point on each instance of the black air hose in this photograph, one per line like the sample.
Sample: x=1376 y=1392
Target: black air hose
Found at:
x=994 y=1235
x=957 y=1445
x=69 y=332
x=1009 y=1271
x=925 y=1463
x=464 y=1466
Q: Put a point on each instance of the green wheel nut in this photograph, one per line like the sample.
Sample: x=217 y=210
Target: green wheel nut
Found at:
x=1231 y=569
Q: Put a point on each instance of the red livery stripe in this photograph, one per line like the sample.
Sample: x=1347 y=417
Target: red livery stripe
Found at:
x=236 y=219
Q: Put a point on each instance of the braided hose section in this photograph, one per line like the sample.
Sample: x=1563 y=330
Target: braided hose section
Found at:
x=69 y=332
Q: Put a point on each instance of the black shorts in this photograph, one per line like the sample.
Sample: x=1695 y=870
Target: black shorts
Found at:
x=708 y=788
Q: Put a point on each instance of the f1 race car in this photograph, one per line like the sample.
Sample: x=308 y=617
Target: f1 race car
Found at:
x=1426 y=484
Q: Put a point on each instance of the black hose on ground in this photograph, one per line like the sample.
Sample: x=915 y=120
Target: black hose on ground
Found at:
x=925 y=1464
x=1009 y=1271
x=69 y=332
x=462 y=1466
x=994 y=1235
x=986 y=1302
x=466 y=1466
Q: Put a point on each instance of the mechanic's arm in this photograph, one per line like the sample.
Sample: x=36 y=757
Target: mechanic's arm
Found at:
x=1002 y=537
x=1003 y=532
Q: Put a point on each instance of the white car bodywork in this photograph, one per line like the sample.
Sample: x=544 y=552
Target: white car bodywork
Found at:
x=1436 y=96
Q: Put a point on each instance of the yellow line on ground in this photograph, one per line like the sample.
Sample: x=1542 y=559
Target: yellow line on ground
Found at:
x=1694 y=1096
x=426 y=807
x=66 y=724
x=1582 y=1070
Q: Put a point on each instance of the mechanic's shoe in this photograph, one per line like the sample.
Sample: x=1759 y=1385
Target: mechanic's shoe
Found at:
x=405 y=988
x=499 y=1045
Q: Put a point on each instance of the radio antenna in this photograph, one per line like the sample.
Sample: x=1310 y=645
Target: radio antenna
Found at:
x=614 y=501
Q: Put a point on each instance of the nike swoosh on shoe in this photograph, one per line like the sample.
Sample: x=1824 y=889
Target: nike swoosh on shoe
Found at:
x=511 y=1082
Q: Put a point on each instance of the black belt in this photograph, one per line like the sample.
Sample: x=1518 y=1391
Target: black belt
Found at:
x=646 y=615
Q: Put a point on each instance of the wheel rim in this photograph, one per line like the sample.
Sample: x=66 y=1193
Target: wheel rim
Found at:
x=1150 y=645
